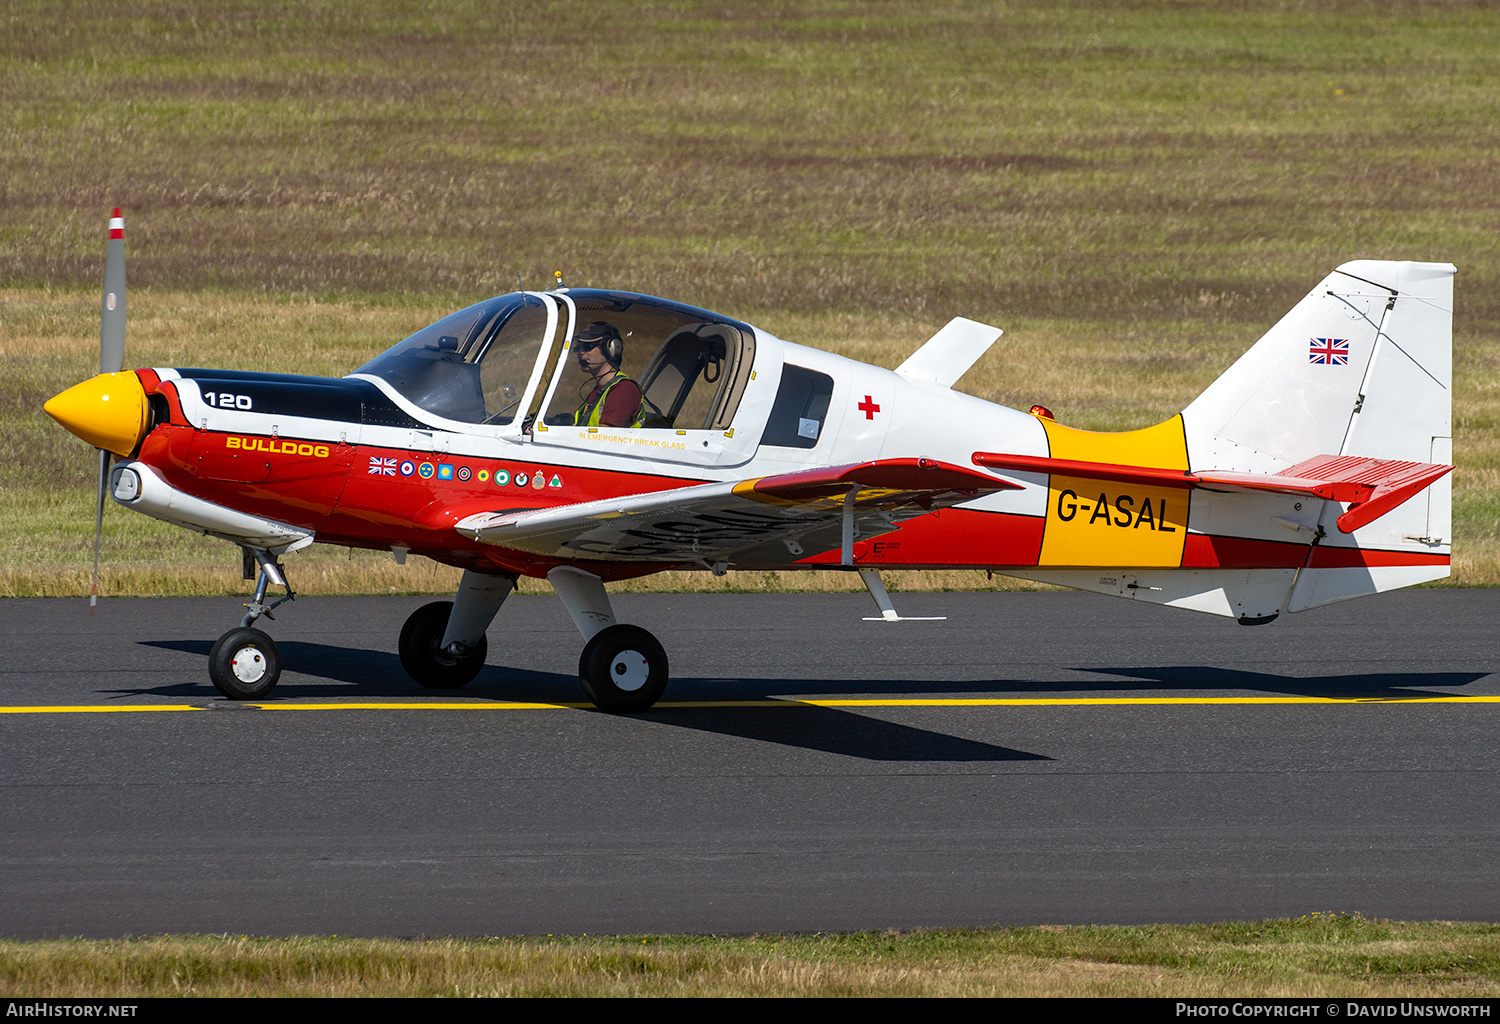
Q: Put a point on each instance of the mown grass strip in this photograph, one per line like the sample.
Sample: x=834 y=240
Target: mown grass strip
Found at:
x=1324 y=953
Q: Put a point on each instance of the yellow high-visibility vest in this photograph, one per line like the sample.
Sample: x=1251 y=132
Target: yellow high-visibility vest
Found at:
x=597 y=409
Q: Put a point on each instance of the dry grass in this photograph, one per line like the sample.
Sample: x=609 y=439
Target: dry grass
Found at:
x=1096 y=161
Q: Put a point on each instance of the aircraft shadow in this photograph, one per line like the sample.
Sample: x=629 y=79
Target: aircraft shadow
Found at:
x=837 y=731
x=832 y=730
x=325 y=670
x=1206 y=680
x=1365 y=686
x=333 y=670
x=379 y=673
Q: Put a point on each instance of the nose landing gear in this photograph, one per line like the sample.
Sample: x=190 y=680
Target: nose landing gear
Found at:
x=244 y=664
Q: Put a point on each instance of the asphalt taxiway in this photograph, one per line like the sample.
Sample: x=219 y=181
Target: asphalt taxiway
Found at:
x=1033 y=758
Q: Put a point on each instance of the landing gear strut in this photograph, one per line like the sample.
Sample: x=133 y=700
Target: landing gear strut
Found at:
x=443 y=645
x=623 y=669
x=244 y=664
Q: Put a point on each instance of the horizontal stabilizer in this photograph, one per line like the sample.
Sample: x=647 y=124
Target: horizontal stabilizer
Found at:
x=1370 y=487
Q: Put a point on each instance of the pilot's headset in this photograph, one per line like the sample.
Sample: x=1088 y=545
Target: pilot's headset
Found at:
x=612 y=345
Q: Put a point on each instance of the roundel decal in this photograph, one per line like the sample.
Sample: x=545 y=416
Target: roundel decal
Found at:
x=408 y=467
x=464 y=472
x=502 y=477
x=425 y=471
x=522 y=479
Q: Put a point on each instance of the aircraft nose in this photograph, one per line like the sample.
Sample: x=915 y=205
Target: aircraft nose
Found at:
x=108 y=411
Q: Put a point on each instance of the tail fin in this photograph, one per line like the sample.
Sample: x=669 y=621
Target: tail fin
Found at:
x=1331 y=422
x=1363 y=366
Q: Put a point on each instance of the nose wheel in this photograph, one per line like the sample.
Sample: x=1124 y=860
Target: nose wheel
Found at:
x=623 y=669
x=244 y=664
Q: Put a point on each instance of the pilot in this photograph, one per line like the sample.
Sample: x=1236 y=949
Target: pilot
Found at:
x=615 y=400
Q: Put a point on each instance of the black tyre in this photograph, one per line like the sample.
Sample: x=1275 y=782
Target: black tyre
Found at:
x=423 y=658
x=244 y=664
x=623 y=669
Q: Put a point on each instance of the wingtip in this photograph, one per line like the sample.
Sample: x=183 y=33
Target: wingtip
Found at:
x=116 y=224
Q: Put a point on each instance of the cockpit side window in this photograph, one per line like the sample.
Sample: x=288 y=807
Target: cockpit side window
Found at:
x=690 y=370
x=801 y=406
x=691 y=380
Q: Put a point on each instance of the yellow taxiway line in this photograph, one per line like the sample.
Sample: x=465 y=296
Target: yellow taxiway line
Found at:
x=877 y=702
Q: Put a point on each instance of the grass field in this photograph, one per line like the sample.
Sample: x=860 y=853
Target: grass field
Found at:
x=1318 y=954
x=1135 y=191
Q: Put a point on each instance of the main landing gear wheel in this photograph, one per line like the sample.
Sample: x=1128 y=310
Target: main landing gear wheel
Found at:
x=425 y=661
x=623 y=669
x=244 y=664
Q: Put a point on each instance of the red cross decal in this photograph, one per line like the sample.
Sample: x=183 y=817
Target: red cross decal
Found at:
x=869 y=408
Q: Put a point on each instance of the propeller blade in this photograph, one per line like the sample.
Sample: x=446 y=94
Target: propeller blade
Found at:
x=111 y=360
x=112 y=318
x=99 y=527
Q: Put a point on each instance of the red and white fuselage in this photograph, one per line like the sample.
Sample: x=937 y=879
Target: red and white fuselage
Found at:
x=780 y=456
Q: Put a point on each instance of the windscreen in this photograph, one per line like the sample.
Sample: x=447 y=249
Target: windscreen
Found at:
x=471 y=366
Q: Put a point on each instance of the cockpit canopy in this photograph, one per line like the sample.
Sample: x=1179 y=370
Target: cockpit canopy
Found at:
x=472 y=365
x=510 y=357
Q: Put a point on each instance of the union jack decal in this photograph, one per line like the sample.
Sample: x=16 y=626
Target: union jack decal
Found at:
x=382 y=467
x=1328 y=352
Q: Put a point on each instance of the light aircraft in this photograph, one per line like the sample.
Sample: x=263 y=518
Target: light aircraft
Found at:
x=1312 y=471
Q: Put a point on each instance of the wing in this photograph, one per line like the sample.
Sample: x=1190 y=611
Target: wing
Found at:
x=773 y=519
x=1371 y=487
